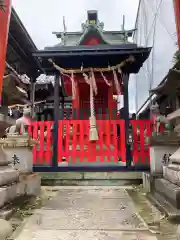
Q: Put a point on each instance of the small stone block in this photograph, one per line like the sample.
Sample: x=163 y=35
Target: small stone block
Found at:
x=33 y=185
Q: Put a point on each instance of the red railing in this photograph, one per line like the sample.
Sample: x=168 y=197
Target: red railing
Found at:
x=74 y=145
x=77 y=147
x=140 y=148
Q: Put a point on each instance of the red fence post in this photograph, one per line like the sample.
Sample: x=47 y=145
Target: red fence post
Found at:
x=122 y=141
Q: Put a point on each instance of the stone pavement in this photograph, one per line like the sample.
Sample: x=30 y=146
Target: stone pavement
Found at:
x=86 y=213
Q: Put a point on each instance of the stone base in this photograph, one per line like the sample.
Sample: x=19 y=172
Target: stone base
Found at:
x=21 y=158
x=169 y=191
x=32 y=184
x=172 y=173
x=156 y=155
x=29 y=185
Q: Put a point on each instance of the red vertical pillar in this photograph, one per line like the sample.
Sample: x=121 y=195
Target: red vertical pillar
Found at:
x=5 y=14
x=177 y=16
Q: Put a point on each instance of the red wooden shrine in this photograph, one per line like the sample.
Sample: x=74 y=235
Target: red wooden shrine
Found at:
x=82 y=57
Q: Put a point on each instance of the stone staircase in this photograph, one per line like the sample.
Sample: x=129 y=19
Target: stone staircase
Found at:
x=165 y=190
x=13 y=184
x=166 y=196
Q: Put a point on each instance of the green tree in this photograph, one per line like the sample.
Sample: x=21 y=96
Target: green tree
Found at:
x=176 y=57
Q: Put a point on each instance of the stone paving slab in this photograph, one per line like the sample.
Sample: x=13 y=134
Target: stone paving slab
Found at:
x=83 y=214
x=86 y=219
x=91 y=203
x=80 y=199
x=84 y=235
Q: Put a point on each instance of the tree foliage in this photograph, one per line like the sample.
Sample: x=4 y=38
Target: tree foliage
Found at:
x=176 y=57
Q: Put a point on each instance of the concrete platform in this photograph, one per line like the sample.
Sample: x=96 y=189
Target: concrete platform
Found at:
x=79 y=213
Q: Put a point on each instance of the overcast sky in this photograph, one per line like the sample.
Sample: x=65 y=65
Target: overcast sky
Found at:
x=42 y=17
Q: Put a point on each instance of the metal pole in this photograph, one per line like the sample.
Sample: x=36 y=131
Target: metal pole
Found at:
x=126 y=119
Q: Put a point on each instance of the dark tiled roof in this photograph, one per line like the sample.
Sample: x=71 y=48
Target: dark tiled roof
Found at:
x=93 y=56
x=20 y=47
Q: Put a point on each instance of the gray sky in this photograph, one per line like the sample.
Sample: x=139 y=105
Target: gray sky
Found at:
x=42 y=17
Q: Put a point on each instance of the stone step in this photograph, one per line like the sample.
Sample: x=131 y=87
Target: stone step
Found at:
x=172 y=173
x=92 y=182
x=168 y=190
x=164 y=206
x=8 y=175
x=28 y=185
x=91 y=178
x=93 y=175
